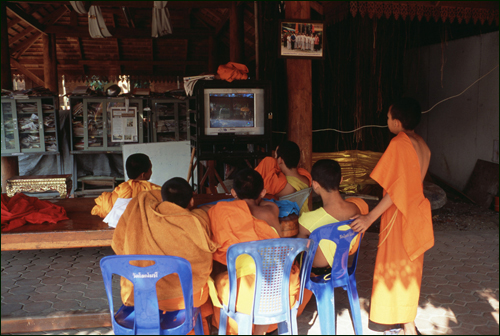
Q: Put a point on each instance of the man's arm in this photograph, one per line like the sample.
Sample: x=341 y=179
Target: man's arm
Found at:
x=362 y=223
x=303 y=232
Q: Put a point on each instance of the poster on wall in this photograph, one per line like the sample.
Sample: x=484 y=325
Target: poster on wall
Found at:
x=301 y=39
x=124 y=124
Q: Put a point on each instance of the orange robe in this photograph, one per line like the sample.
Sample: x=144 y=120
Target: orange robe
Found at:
x=274 y=179
x=232 y=223
x=150 y=226
x=404 y=239
x=128 y=189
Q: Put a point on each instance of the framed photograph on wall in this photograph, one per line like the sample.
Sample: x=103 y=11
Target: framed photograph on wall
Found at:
x=301 y=39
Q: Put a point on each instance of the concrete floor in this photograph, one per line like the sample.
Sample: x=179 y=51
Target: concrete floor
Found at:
x=459 y=287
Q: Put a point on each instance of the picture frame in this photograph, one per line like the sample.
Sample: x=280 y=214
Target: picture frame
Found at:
x=301 y=39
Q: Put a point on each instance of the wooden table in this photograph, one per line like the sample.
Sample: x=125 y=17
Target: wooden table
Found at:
x=81 y=230
x=85 y=230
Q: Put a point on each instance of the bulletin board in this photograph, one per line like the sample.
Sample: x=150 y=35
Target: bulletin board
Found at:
x=169 y=159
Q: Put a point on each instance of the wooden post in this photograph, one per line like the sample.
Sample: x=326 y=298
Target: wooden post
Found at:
x=50 y=63
x=10 y=168
x=299 y=81
x=6 y=71
x=236 y=33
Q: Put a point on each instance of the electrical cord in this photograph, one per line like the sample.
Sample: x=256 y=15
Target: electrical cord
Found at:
x=380 y=126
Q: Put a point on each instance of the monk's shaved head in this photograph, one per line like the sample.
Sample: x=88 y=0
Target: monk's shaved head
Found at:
x=178 y=191
x=289 y=151
x=248 y=184
x=136 y=164
x=327 y=173
x=407 y=110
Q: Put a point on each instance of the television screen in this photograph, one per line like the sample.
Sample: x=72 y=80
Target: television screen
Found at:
x=234 y=110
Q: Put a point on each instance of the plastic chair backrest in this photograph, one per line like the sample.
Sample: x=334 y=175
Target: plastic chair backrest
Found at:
x=144 y=279
x=342 y=238
x=298 y=197
x=273 y=260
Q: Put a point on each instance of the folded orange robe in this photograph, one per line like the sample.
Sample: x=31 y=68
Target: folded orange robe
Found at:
x=232 y=223
x=274 y=179
x=404 y=239
x=232 y=71
x=22 y=209
x=128 y=189
x=150 y=226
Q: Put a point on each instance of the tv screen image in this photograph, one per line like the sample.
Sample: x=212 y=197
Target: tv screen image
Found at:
x=231 y=110
x=238 y=111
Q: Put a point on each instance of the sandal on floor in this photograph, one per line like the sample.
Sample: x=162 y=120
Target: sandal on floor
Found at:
x=394 y=331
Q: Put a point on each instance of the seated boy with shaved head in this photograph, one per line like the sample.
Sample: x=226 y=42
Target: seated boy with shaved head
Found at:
x=160 y=223
x=248 y=218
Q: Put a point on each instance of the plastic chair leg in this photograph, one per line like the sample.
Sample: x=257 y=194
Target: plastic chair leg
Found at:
x=325 y=301
x=245 y=325
x=352 y=293
x=284 y=329
x=293 y=319
x=222 y=322
x=198 y=327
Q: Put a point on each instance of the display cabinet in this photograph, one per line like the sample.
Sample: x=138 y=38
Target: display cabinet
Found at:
x=170 y=119
x=101 y=124
x=30 y=126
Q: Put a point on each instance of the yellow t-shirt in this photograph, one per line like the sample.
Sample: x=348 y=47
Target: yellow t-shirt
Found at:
x=314 y=219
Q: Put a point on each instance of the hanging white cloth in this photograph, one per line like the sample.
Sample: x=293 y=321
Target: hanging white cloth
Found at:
x=79 y=7
x=97 y=26
x=161 y=19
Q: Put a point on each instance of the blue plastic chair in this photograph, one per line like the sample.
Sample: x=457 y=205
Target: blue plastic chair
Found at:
x=273 y=260
x=341 y=276
x=145 y=317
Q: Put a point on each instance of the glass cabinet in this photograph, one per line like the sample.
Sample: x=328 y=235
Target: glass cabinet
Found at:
x=170 y=120
x=102 y=124
x=30 y=126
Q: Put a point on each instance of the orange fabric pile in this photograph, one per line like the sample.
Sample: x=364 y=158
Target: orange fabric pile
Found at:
x=22 y=209
x=398 y=267
x=150 y=226
x=274 y=179
x=129 y=189
x=232 y=71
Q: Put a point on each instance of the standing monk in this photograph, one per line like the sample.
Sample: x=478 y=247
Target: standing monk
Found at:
x=406 y=224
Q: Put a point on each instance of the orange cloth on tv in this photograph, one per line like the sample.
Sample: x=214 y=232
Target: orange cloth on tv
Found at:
x=150 y=226
x=22 y=209
x=232 y=71
x=398 y=267
x=128 y=189
x=274 y=179
x=232 y=223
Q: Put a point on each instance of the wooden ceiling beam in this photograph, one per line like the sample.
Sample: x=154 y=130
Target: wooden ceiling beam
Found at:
x=25 y=17
x=21 y=68
x=317 y=7
x=147 y=4
x=176 y=63
x=83 y=31
x=49 y=19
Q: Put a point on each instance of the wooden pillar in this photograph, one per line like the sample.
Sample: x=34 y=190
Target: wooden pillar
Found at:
x=299 y=82
x=50 y=63
x=6 y=71
x=236 y=33
x=10 y=168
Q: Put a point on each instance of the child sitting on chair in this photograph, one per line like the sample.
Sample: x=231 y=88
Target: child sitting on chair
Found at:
x=326 y=176
x=139 y=170
x=248 y=218
x=281 y=174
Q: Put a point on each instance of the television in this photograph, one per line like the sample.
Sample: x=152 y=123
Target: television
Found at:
x=234 y=111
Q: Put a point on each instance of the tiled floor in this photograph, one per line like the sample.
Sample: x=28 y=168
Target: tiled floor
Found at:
x=459 y=286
